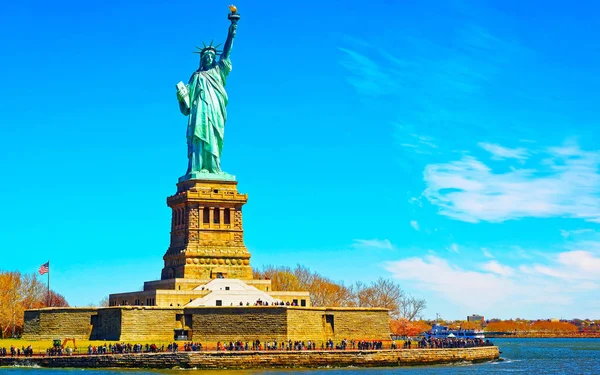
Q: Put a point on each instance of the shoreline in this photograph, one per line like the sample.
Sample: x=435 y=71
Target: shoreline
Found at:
x=263 y=359
x=539 y=336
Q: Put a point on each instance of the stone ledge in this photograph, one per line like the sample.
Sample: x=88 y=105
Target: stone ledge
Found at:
x=265 y=359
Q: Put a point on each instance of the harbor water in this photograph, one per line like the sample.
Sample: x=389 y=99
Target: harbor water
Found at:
x=519 y=356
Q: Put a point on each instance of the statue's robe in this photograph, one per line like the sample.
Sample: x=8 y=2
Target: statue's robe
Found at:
x=207 y=116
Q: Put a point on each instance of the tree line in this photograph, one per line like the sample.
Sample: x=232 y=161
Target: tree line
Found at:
x=541 y=326
x=20 y=292
x=326 y=292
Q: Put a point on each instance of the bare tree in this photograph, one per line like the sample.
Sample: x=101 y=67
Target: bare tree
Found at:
x=381 y=293
x=325 y=292
x=412 y=307
x=305 y=276
x=387 y=294
x=282 y=278
x=32 y=291
x=20 y=292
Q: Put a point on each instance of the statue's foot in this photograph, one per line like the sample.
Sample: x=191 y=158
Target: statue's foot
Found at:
x=204 y=171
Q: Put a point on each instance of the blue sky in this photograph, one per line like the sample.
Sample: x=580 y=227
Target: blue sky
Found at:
x=452 y=146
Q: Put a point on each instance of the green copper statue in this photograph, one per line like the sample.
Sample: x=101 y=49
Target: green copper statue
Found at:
x=204 y=100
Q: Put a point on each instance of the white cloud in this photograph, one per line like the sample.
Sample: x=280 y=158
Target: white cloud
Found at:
x=571 y=233
x=415 y=225
x=469 y=289
x=373 y=244
x=418 y=143
x=452 y=248
x=560 y=288
x=566 y=184
x=583 y=262
x=500 y=152
x=487 y=253
x=416 y=201
x=497 y=268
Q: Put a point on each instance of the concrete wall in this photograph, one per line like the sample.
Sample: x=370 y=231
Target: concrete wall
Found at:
x=247 y=360
x=58 y=323
x=343 y=323
x=364 y=324
x=108 y=325
x=225 y=324
x=306 y=324
x=144 y=324
x=31 y=328
x=208 y=324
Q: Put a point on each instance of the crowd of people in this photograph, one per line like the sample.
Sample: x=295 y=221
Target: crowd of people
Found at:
x=123 y=348
x=58 y=351
x=187 y=347
x=16 y=352
x=449 y=342
x=269 y=345
x=302 y=345
x=276 y=303
x=256 y=345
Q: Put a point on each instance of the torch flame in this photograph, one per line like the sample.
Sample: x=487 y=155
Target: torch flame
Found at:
x=232 y=8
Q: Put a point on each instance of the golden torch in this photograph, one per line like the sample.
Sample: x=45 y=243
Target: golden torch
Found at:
x=233 y=16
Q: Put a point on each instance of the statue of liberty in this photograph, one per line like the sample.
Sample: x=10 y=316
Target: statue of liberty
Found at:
x=204 y=100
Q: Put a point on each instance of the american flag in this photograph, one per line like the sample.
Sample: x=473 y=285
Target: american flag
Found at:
x=44 y=268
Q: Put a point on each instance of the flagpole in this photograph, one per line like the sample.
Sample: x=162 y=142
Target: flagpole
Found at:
x=48 y=297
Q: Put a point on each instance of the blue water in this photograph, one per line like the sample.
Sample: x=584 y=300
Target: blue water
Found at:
x=521 y=356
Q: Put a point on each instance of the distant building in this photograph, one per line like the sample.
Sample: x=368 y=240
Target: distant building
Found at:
x=475 y=318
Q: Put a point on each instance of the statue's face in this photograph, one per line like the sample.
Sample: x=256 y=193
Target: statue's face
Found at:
x=208 y=59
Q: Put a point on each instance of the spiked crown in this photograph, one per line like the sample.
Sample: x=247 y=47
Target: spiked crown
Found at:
x=210 y=47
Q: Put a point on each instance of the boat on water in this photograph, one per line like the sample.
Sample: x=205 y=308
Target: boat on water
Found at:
x=439 y=331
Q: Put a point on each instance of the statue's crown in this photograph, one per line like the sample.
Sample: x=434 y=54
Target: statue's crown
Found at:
x=210 y=47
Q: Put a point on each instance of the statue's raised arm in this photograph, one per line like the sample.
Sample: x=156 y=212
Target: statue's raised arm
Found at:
x=234 y=18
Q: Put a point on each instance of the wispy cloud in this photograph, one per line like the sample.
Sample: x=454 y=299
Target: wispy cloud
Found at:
x=570 y=266
x=440 y=82
x=420 y=144
x=565 y=184
x=560 y=287
x=498 y=152
x=575 y=232
x=497 y=268
x=452 y=248
x=365 y=75
x=415 y=225
x=373 y=244
x=417 y=201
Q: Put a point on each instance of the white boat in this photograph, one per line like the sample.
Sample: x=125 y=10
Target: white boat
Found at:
x=439 y=331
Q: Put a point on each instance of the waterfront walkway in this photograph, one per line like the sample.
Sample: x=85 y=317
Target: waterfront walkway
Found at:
x=238 y=346
x=243 y=359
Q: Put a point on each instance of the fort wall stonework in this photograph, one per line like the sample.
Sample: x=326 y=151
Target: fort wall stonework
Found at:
x=238 y=323
x=208 y=324
x=319 y=324
x=148 y=324
x=266 y=359
x=48 y=324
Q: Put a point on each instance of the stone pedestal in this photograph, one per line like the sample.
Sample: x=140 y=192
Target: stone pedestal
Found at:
x=207 y=239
